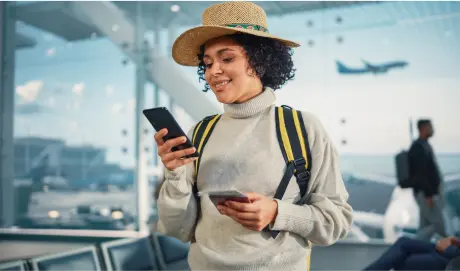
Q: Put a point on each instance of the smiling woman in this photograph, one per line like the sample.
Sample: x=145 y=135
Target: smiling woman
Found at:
x=270 y=60
x=243 y=65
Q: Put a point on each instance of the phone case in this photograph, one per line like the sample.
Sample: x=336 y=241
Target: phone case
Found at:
x=160 y=118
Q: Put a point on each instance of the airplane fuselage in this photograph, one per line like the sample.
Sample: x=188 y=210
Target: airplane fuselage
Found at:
x=370 y=68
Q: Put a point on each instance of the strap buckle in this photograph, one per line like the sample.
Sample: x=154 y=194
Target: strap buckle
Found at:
x=303 y=176
x=299 y=162
x=301 y=173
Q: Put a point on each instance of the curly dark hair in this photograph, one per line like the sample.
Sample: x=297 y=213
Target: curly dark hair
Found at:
x=271 y=60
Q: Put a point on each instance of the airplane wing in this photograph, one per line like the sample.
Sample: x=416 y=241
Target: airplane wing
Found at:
x=373 y=68
x=452 y=177
x=369 y=177
x=368 y=218
x=389 y=179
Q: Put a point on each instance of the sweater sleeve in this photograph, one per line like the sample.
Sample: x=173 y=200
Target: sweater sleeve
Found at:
x=325 y=215
x=177 y=208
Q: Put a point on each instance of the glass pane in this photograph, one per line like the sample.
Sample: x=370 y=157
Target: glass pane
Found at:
x=369 y=71
x=73 y=126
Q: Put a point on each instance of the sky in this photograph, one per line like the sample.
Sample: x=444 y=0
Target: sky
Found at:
x=83 y=91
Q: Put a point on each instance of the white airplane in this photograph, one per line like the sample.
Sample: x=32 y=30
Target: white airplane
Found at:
x=402 y=214
x=357 y=235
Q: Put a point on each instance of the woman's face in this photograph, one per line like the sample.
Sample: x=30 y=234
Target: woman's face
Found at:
x=228 y=72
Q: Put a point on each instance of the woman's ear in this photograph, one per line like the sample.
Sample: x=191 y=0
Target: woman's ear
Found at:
x=251 y=72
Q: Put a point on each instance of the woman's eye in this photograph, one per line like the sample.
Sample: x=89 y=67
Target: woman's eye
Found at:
x=208 y=65
x=227 y=60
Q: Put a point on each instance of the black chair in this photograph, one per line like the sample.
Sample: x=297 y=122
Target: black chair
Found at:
x=129 y=254
x=172 y=253
x=13 y=266
x=79 y=259
x=454 y=264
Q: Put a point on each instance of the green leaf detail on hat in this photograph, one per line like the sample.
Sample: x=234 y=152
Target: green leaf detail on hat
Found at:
x=248 y=26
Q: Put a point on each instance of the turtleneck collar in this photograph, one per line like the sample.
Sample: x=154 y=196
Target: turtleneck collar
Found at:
x=252 y=107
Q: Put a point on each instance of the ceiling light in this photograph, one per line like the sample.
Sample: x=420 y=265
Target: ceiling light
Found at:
x=175 y=8
x=51 y=51
x=338 y=20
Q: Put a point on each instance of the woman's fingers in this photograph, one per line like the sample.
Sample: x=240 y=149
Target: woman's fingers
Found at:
x=159 y=136
x=177 y=154
x=169 y=144
x=172 y=160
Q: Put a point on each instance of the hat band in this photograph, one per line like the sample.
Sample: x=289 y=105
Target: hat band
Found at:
x=248 y=26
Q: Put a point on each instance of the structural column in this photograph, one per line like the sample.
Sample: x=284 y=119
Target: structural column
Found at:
x=7 y=53
x=171 y=36
x=156 y=90
x=141 y=179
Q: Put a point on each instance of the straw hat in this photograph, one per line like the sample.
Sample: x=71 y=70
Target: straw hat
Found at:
x=220 y=20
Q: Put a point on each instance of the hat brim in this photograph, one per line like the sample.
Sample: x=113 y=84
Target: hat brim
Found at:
x=187 y=46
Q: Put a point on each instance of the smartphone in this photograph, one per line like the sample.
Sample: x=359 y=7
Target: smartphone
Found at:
x=219 y=197
x=160 y=118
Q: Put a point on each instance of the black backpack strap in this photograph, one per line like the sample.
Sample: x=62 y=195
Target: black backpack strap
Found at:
x=293 y=139
x=201 y=135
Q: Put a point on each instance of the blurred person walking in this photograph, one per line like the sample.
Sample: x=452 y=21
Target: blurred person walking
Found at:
x=427 y=183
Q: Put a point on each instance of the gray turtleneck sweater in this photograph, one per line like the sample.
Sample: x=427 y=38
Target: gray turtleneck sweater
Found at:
x=243 y=153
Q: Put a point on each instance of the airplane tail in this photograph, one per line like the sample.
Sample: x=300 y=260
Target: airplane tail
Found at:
x=341 y=67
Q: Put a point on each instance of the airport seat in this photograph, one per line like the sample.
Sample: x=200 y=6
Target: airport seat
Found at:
x=454 y=264
x=79 y=259
x=13 y=266
x=129 y=254
x=172 y=253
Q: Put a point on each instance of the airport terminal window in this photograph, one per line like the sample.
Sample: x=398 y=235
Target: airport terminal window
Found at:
x=368 y=71
x=73 y=127
x=368 y=65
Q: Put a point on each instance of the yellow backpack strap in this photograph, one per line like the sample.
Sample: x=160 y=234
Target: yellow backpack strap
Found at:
x=201 y=135
x=293 y=140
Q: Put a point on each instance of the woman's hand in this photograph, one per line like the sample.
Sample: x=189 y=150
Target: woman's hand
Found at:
x=255 y=215
x=172 y=160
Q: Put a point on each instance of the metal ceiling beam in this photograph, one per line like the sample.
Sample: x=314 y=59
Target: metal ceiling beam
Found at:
x=23 y=41
x=44 y=15
x=164 y=72
x=193 y=10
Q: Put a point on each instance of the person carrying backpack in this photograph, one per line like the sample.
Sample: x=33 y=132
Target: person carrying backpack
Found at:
x=426 y=183
x=282 y=158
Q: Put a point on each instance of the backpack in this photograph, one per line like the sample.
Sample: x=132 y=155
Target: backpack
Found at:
x=293 y=140
x=403 y=170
